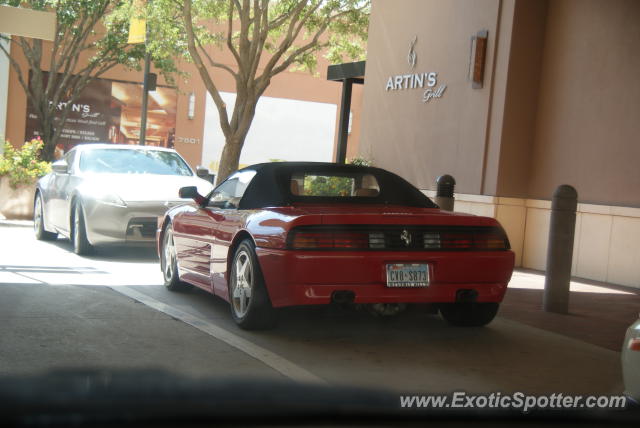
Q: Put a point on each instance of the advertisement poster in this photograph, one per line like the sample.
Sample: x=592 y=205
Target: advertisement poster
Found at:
x=108 y=111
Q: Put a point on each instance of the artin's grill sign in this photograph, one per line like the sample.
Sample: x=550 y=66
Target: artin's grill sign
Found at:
x=428 y=80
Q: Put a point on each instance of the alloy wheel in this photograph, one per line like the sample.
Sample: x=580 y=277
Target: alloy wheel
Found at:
x=169 y=255
x=37 y=215
x=76 y=226
x=242 y=284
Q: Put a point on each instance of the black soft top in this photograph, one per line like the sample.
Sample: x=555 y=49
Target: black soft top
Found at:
x=270 y=187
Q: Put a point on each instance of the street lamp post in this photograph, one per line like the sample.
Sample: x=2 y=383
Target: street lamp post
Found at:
x=145 y=97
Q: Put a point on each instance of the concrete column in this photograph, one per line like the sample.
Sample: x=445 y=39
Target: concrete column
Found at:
x=560 y=250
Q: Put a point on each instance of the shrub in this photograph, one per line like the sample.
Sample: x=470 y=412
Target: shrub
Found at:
x=327 y=186
x=22 y=165
x=360 y=161
x=332 y=186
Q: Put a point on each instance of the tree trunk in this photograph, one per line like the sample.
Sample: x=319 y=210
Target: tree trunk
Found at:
x=47 y=134
x=230 y=158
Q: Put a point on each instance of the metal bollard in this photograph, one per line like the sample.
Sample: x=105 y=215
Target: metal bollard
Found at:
x=560 y=250
x=444 y=195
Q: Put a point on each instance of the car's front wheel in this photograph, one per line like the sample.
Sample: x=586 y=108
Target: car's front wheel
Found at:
x=469 y=314
x=250 y=304
x=38 y=221
x=169 y=263
x=81 y=244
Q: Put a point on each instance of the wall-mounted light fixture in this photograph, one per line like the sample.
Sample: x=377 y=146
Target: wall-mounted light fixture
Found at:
x=477 y=58
x=191 y=112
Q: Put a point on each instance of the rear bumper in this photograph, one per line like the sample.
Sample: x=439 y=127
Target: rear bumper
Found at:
x=310 y=277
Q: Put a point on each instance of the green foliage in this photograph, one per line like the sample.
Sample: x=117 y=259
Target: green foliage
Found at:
x=345 y=21
x=252 y=41
x=342 y=27
x=91 y=38
x=163 y=42
x=358 y=161
x=318 y=185
x=332 y=185
x=22 y=165
x=92 y=25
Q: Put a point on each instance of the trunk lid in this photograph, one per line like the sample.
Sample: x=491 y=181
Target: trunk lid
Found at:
x=384 y=215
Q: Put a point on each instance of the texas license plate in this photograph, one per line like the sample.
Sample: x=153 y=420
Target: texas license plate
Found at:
x=407 y=275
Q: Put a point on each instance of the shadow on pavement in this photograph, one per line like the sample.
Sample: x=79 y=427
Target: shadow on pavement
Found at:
x=119 y=253
x=315 y=322
x=597 y=318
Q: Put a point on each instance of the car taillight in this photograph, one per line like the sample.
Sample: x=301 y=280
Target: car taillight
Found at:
x=398 y=238
x=329 y=239
x=456 y=240
x=492 y=240
x=489 y=239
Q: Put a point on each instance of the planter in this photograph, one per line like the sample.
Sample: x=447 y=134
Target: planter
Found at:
x=16 y=203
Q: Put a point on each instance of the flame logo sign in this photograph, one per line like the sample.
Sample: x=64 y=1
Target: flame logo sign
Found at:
x=412 y=58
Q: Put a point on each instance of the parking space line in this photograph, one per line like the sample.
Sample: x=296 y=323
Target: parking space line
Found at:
x=276 y=362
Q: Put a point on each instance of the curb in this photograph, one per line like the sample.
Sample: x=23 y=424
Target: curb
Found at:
x=16 y=223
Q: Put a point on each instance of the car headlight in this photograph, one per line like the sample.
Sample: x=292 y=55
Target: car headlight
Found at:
x=109 y=198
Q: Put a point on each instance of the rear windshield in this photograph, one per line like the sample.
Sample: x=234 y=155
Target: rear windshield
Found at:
x=133 y=161
x=355 y=184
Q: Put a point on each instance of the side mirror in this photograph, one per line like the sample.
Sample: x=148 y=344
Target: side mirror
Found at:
x=189 y=192
x=202 y=172
x=61 y=167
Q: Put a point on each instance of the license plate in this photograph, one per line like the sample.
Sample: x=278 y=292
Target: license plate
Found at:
x=407 y=275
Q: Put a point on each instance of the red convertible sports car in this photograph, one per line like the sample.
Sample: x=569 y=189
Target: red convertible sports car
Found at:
x=284 y=234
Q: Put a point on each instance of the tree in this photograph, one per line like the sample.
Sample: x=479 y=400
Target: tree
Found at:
x=87 y=44
x=265 y=38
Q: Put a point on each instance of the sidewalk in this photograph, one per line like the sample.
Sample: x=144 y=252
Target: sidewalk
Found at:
x=599 y=313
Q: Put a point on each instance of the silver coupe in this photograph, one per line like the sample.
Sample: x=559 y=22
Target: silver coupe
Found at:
x=101 y=194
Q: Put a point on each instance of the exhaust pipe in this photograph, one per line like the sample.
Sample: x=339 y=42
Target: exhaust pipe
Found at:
x=466 y=296
x=343 y=296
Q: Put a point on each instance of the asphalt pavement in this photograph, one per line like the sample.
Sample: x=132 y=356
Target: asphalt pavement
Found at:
x=110 y=310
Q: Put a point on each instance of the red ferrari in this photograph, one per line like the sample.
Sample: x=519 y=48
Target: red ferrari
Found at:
x=284 y=234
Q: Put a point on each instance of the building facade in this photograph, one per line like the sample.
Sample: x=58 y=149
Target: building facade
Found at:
x=296 y=119
x=557 y=102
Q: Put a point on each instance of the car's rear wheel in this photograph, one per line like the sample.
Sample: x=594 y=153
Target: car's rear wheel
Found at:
x=81 y=244
x=469 y=314
x=250 y=304
x=38 y=221
x=169 y=263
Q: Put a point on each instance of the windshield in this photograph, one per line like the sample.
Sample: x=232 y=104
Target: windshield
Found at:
x=229 y=193
x=133 y=161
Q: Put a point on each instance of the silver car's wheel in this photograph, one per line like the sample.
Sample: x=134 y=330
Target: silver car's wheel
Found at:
x=250 y=304
x=169 y=263
x=81 y=244
x=38 y=221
